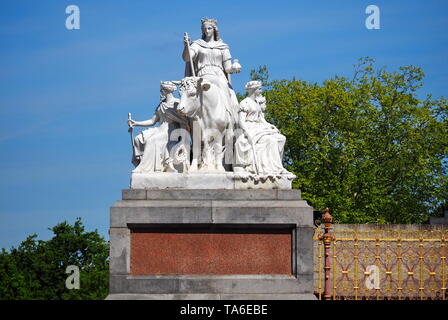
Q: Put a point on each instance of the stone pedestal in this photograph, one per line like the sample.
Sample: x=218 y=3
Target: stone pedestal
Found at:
x=211 y=244
x=210 y=180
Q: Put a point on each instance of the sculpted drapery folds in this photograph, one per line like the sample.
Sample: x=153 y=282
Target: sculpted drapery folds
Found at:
x=152 y=147
x=222 y=136
x=212 y=61
x=260 y=149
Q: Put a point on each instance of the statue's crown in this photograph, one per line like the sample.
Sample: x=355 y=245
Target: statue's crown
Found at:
x=211 y=21
x=254 y=84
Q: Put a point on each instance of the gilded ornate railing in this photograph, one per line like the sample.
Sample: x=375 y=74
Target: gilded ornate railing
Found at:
x=382 y=262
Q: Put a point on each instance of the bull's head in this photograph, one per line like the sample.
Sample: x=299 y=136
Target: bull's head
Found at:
x=191 y=89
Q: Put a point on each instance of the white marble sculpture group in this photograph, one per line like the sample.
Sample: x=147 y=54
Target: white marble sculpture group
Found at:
x=205 y=138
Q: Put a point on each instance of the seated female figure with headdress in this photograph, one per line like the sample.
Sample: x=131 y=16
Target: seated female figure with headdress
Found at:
x=260 y=149
x=152 y=147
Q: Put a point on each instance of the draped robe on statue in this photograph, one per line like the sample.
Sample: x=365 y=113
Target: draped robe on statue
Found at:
x=208 y=61
x=268 y=143
x=153 y=145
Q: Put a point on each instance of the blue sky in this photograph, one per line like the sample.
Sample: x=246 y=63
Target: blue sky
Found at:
x=64 y=95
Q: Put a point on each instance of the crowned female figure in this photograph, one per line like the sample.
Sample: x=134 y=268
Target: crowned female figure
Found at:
x=260 y=149
x=211 y=60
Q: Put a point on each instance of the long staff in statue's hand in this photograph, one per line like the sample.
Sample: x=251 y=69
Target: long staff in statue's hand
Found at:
x=130 y=130
x=187 y=42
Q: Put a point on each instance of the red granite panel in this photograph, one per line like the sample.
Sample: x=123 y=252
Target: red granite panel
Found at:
x=211 y=253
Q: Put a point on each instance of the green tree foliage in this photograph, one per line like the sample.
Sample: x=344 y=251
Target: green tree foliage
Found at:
x=366 y=147
x=36 y=269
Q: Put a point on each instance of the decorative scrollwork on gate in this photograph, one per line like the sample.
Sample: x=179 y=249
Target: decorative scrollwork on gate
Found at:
x=384 y=262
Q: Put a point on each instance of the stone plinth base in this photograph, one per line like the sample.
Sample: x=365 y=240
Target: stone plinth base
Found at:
x=198 y=296
x=211 y=244
x=225 y=180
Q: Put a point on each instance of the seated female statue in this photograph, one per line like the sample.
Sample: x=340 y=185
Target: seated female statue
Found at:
x=152 y=146
x=260 y=149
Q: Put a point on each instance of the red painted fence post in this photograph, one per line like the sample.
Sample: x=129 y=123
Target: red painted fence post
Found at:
x=327 y=238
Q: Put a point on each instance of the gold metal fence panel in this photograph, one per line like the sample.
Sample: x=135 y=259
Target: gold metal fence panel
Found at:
x=384 y=262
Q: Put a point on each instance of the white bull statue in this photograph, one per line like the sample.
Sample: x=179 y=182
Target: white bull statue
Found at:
x=203 y=101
